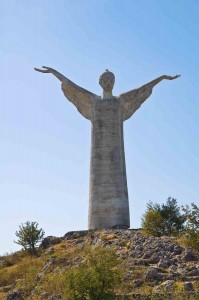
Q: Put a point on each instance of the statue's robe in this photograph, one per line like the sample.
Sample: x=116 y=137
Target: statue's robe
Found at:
x=108 y=203
x=108 y=194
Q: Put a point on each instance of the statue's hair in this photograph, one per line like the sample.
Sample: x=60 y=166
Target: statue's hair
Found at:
x=106 y=74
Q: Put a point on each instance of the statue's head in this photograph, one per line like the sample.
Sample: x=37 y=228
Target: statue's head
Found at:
x=107 y=80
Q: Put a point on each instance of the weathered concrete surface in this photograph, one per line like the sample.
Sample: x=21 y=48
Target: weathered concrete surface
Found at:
x=108 y=196
x=108 y=199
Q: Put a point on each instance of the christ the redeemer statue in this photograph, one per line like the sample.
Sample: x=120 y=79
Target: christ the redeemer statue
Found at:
x=108 y=195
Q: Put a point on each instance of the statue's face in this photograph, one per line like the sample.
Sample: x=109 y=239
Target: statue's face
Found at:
x=107 y=81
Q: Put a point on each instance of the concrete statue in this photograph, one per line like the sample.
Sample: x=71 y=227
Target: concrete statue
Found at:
x=108 y=195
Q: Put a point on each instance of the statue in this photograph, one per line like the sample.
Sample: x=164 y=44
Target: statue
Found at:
x=108 y=194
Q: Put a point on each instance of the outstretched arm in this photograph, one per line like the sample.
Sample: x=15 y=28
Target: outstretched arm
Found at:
x=133 y=99
x=152 y=83
x=81 y=98
x=52 y=71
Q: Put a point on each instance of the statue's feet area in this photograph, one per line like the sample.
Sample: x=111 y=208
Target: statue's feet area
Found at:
x=120 y=227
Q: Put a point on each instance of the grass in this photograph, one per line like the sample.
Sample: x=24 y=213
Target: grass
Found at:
x=23 y=273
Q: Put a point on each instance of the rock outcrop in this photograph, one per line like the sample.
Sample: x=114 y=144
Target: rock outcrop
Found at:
x=155 y=262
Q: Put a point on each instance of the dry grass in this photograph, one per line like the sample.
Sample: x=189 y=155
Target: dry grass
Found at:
x=52 y=283
x=10 y=259
x=9 y=275
x=3 y=296
x=22 y=274
x=108 y=237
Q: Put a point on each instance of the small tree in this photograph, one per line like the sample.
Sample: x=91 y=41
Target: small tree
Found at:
x=152 y=221
x=173 y=219
x=165 y=219
x=191 y=232
x=29 y=236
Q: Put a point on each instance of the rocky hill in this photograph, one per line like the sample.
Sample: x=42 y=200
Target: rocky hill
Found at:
x=155 y=268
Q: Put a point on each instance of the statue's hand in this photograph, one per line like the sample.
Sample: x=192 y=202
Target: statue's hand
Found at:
x=52 y=71
x=48 y=70
x=171 y=77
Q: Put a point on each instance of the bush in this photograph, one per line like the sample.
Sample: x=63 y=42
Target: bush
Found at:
x=165 y=219
x=96 y=277
x=29 y=235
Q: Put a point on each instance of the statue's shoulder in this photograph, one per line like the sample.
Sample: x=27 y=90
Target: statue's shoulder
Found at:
x=98 y=98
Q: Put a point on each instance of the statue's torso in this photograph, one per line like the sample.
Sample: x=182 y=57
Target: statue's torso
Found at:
x=107 y=131
x=108 y=188
x=106 y=115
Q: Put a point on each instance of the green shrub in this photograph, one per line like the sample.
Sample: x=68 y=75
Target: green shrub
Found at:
x=165 y=219
x=96 y=277
x=191 y=231
x=152 y=222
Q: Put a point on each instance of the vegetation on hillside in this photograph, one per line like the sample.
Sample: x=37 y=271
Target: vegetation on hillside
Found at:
x=170 y=220
x=95 y=277
x=191 y=230
x=104 y=262
x=29 y=235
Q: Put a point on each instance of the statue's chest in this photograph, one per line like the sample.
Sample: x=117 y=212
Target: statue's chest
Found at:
x=107 y=111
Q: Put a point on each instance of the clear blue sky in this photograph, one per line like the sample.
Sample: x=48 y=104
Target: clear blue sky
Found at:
x=45 y=142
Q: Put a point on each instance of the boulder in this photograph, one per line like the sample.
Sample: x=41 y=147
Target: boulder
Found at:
x=165 y=287
x=55 y=297
x=72 y=235
x=152 y=274
x=188 y=286
x=164 y=263
x=188 y=255
x=47 y=265
x=177 y=250
x=50 y=241
x=137 y=282
x=15 y=295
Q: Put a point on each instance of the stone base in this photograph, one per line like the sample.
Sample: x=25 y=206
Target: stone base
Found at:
x=121 y=227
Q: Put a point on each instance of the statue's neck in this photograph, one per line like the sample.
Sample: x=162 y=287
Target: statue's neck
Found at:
x=107 y=95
